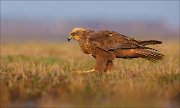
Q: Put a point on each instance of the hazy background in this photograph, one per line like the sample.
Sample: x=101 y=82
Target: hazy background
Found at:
x=52 y=20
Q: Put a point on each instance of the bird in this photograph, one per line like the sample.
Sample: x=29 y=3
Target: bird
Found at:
x=105 y=46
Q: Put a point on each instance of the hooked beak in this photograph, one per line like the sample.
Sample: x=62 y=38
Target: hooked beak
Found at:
x=69 y=37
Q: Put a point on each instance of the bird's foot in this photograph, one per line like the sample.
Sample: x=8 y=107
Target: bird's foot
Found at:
x=84 y=72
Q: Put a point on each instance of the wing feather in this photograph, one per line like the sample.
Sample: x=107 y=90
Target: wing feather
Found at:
x=107 y=40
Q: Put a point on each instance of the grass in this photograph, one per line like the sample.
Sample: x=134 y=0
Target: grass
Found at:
x=42 y=75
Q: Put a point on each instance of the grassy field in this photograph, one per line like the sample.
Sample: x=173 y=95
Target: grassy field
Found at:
x=43 y=75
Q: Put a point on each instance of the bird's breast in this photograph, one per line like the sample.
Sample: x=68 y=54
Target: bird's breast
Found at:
x=84 y=47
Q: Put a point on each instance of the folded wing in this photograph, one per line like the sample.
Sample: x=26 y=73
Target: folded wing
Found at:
x=107 y=40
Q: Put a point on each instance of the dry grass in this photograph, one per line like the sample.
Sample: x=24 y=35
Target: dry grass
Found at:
x=42 y=75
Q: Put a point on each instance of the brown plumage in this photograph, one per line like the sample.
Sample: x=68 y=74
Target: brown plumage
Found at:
x=105 y=46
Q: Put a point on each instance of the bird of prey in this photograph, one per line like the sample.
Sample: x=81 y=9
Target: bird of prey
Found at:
x=106 y=45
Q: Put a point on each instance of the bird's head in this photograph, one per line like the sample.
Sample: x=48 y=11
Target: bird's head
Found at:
x=76 y=33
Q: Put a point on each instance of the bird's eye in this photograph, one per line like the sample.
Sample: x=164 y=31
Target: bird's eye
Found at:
x=73 y=34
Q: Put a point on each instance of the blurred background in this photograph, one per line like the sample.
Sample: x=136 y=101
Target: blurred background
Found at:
x=52 y=20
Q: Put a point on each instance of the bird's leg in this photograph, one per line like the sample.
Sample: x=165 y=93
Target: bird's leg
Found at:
x=83 y=72
x=109 y=66
x=100 y=64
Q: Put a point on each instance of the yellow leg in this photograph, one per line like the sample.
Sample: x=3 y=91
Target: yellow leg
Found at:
x=84 y=72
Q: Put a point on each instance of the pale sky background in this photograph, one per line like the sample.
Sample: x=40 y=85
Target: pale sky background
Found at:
x=167 y=11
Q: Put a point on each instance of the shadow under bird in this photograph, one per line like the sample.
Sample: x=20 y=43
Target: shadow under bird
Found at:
x=106 y=45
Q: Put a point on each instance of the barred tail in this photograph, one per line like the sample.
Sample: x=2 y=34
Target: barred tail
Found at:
x=149 y=42
x=150 y=55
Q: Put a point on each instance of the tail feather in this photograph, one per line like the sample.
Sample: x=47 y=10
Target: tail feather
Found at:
x=150 y=55
x=148 y=48
x=149 y=42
